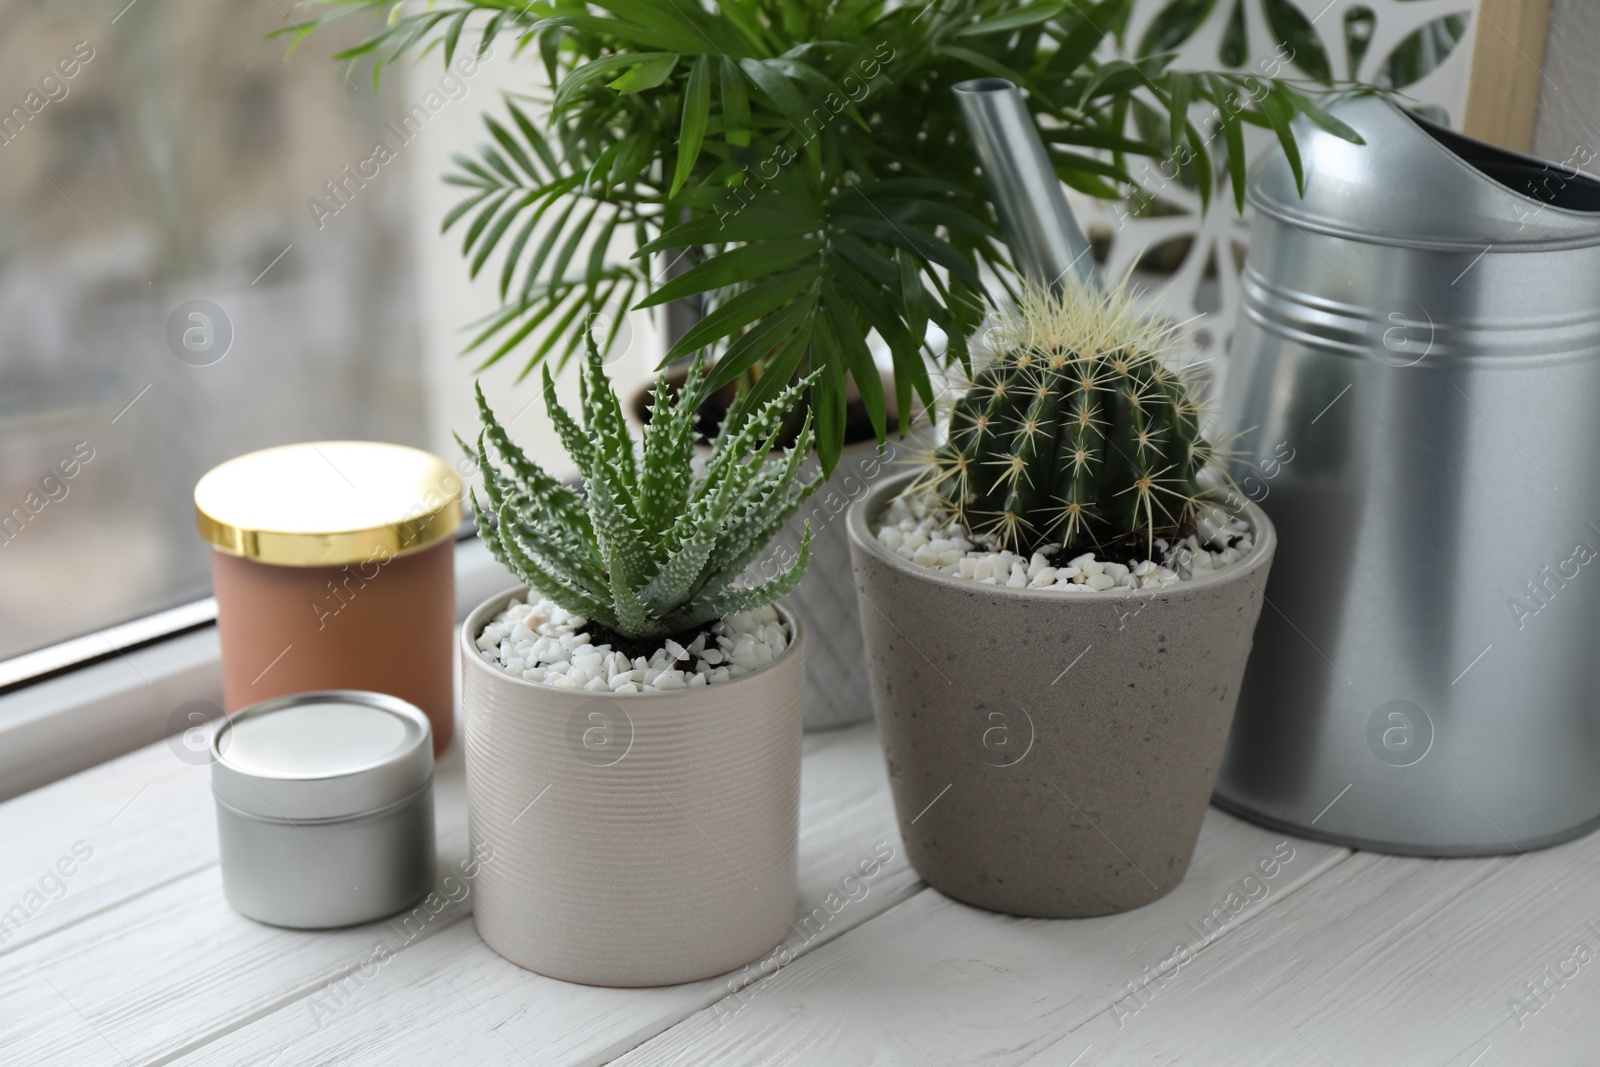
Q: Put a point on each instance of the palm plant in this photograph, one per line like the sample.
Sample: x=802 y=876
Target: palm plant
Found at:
x=650 y=549
x=803 y=156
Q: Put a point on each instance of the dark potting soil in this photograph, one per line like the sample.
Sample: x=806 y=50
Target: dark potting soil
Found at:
x=634 y=647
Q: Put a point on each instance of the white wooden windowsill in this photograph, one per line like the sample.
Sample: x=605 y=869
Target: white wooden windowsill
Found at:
x=1339 y=958
x=89 y=714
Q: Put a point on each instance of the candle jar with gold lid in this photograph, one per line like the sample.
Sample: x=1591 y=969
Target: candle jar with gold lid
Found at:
x=333 y=564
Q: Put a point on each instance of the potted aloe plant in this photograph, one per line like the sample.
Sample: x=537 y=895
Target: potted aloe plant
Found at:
x=836 y=672
x=1062 y=598
x=633 y=717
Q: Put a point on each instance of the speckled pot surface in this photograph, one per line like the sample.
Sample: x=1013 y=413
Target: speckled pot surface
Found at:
x=632 y=839
x=1051 y=754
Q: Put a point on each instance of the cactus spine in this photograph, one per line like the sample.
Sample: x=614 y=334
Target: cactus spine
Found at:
x=1074 y=431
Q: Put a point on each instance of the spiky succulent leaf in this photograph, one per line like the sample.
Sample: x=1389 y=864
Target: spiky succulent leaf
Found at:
x=565 y=552
x=622 y=542
x=579 y=446
x=484 y=519
x=723 y=569
x=748 y=598
x=557 y=499
x=521 y=557
x=674 y=583
x=769 y=509
x=655 y=552
x=540 y=503
x=603 y=419
x=665 y=475
x=753 y=434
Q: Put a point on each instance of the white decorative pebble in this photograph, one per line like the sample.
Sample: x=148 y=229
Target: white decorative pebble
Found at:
x=912 y=533
x=540 y=642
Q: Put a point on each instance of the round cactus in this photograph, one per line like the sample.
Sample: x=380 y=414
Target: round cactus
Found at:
x=1074 y=431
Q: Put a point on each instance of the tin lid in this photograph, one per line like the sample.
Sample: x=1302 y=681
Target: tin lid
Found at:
x=328 y=503
x=322 y=755
x=1421 y=185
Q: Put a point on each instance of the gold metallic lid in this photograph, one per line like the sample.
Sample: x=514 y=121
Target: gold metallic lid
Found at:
x=328 y=503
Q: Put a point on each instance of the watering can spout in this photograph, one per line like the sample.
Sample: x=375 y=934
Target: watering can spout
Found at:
x=1046 y=243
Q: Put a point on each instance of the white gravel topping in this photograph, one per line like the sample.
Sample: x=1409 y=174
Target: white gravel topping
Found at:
x=540 y=641
x=908 y=529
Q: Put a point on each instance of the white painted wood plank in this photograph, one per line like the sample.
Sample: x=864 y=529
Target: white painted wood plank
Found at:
x=452 y=996
x=1389 y=960
x=143 y=820
x=137 y=822
x=174 y=971
x=165 y=969
x=937 y=982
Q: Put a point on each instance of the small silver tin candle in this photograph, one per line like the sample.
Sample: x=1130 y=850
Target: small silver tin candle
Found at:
x=324 y=807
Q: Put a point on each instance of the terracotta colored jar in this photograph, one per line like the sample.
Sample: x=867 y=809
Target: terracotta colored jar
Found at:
x=333 y=564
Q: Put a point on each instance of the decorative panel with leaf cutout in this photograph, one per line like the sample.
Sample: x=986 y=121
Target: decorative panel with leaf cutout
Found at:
x=1189 y=261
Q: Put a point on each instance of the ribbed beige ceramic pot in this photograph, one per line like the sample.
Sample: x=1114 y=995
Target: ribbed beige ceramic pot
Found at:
x=1052 y=754
x=634 y=839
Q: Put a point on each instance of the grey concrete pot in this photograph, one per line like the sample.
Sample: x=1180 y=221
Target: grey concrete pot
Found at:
x=632 y=839
x=1051 y=754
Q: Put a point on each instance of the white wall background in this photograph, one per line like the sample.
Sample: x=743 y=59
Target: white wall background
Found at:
x=1569 y=97
x=451 y=302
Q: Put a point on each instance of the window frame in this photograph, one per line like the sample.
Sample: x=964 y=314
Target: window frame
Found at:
x=71 y=706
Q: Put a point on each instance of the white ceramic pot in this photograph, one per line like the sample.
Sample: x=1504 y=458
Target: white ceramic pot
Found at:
x=632 y=839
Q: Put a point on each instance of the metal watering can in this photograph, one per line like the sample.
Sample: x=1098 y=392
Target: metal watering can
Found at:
x=1414 y=378
x=1414 y=381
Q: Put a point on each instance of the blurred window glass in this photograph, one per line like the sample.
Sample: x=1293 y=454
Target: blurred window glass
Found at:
x=170 y=294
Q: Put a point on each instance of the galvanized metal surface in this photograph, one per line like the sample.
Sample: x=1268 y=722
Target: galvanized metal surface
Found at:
x=1045 y=240
x=1414 y=378
x=324 y=808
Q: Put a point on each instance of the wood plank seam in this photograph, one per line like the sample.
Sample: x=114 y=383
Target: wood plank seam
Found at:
x=1317 y=872
x=443 y=920
x=1437 y=903
x=1483 y=874
x=22 y=938
x=909 y=893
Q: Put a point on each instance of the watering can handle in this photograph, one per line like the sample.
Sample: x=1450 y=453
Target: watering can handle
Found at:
x=1046 y=243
